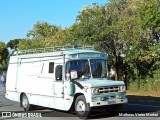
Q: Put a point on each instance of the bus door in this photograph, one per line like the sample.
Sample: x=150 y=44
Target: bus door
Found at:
x=58 y=89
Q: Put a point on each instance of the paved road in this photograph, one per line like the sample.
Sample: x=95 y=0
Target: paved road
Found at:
x=130 y=109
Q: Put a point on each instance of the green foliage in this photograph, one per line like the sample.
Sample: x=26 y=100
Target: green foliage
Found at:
x=13 y=43
x=42 y=30
x=30 y=44
x=128 y=30
x=3 y=56
x=147 y=84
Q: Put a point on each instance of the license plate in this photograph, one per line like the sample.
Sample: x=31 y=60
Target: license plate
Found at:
x=112 y=102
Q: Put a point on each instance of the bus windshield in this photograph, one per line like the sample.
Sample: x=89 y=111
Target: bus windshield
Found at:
x=79 y=68
x=99 y=68
x=82 y=69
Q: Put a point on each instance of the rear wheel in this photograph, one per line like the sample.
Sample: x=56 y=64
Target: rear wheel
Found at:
x=81 y=107
x=25 y=103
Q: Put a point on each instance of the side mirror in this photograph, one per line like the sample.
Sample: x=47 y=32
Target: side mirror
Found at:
x=58 y=72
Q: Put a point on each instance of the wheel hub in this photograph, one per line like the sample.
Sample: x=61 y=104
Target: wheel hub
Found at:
x=81 y=108
x=25 y=102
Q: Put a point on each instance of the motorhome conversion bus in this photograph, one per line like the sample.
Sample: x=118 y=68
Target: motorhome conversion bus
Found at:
x=63 y=78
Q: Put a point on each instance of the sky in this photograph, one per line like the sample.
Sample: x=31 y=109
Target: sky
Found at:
x=17 y=17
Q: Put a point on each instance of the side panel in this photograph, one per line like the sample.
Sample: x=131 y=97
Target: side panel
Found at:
x=39 y=84
x=12 y=74
x=11 y=79
x=28 y=72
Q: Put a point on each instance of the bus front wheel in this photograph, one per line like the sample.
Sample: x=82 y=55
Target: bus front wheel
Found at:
x=81 y=107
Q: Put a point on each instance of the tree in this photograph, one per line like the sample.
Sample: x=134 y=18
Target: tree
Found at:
x=31 y=44
x=127 y=30
x=25 y=44
x=44 y=34
x=3 y=56
x=42 y=30
x=13 y=43
x=97 y=25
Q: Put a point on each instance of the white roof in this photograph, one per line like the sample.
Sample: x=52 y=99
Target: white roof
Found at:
x=57 y=53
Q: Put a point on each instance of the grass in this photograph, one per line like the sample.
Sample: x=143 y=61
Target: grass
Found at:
x=143 y=93
x=145 y=87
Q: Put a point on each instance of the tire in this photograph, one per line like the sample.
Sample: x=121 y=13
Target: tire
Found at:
x=81 y=107
x=25 y=103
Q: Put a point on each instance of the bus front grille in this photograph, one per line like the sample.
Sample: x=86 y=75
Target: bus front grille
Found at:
x=110 y=89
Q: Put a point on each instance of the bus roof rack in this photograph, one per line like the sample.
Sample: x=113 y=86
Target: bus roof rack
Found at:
x=52 y=49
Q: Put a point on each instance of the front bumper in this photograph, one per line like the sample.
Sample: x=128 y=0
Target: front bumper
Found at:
x=108 y=102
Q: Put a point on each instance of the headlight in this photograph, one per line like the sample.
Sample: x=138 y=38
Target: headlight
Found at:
x=122 y=88
x=95 y=91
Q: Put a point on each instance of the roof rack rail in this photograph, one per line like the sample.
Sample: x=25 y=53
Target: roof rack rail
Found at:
x=52 y=49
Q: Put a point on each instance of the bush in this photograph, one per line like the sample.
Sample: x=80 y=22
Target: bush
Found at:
x=149 y=84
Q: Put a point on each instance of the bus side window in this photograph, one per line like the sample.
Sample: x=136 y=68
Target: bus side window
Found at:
x=58 y=72
x=51 y=67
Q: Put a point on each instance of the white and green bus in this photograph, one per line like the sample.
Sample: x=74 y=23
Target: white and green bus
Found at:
x=63 y=78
